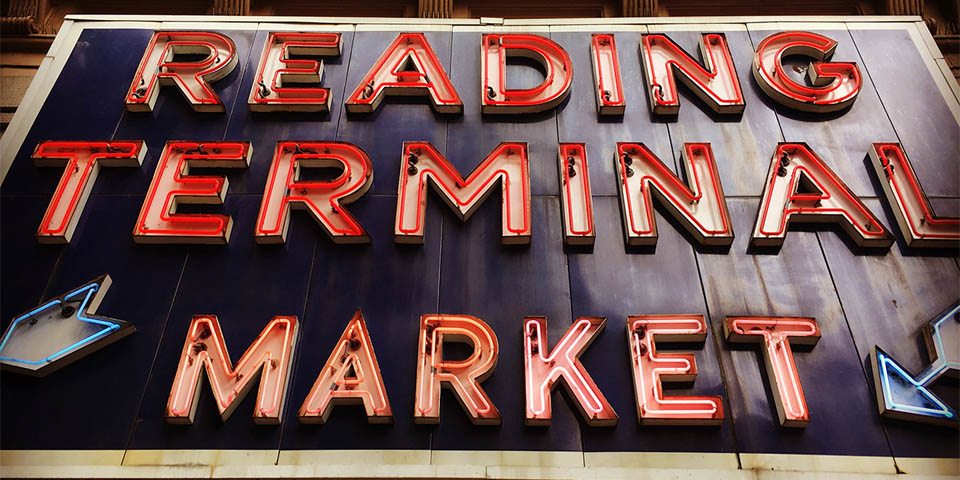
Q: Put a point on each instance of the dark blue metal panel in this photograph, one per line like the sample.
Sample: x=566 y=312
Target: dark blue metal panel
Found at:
x=86 y=103
x=92 y=404
x=27 y=265
x=245 y=285
x=922 y=118
x=666 y=282
x=578 y=120
x=392 y=285
x=472 y=136
x=381 y=133
x=841 y=138
x=795 y=283
x=172 y=118
x=501 y=285
x=742 y=144
x=264 y=129
x=887 y=300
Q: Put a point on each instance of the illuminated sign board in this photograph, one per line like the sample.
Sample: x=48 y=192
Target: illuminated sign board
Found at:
x=397 y=301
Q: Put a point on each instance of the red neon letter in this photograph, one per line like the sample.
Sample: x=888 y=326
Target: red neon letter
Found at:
x=159 y=67
x=496 y=98
x=463 y=376
x=715 y=82
x=350 y=376
x=701 y=208
x=507 y=163
x=803 y=188
x=324 y=200
x=920 y=227
x=576 y=199
x=172 y=185
x=407 y=67
x=269 y=357
x=543 y=370
x=776 y=334
x=651 y=369
x=835 y=85
x=82 y=161
x=607 y=83
x=268 y=92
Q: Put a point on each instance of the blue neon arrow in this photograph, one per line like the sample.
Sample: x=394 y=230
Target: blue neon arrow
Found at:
x=901 y=395
x=60 y=331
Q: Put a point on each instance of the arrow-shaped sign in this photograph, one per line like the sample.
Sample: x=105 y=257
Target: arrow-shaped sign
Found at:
x=906 y=397
x=61 y=331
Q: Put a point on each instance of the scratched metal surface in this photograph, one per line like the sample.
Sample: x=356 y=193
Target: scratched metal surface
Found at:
x=578 y=120
x=655 y=283
x=391 y=285
x=887 y=300
x=742 y=144
x=463 y=268
x=501 y=284
x=842 y=139
x=794 y=282
x=924 y=124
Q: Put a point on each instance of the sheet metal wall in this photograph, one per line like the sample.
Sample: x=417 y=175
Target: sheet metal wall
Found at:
x=115 y=398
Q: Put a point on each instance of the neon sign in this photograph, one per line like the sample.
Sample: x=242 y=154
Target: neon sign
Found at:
x=497 y=98
x=715 y=82
x=160 y=67
x=544 y=368
x=270 y=358
x=801 y=187
x=606 y=74
x=904 y=396
x=271 y=90
x=323 y=199
x=407 y=67
x=775 y=335
x=463 y=377
x=700 y=208
x=81 y=162
x=651 y=370
x=918 y=224
x=172 y=185
x=835 y=84
x=422 y=163
x=576 y=199
x=350 y=376
x=61 y=331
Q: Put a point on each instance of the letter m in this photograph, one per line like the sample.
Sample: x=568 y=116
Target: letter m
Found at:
x=506 y=165
x=270 y=358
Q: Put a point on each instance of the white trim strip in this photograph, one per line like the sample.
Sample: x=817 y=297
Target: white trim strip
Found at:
x=476 y=21
x=692 y=27
x=402 y=27
x=473 y=464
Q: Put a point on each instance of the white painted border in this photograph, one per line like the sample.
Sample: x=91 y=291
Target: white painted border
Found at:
x=607 y=28
x=690 y=27
x=402 y=27
x=503 y=29
x=458 y=464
